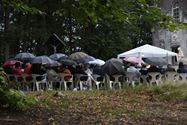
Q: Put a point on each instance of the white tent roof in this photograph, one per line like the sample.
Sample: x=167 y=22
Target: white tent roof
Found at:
x=147 y=51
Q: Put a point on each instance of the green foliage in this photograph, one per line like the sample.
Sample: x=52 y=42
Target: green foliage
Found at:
x=102 y=28
x=13 y=99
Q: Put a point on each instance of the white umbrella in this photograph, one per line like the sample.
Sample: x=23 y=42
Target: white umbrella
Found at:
x=147 y=51
x=97 y=62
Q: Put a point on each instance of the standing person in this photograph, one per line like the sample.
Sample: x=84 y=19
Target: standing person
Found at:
x=180 y=54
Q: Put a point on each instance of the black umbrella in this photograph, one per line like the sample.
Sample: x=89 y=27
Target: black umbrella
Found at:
x=113 y=66
x=77 y=56
x=67 y=62
x=24 y=56
x=57 y=56
x=42 y=60
x=156 y=61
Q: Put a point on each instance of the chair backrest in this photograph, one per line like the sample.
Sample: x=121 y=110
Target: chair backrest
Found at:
x=144 y=79
x=171 y=76
x=116 y=78
x=183 y=76
x=29 y=78
x=154 y=75
x=82 y=77
x=130 y=76
x=98 y=77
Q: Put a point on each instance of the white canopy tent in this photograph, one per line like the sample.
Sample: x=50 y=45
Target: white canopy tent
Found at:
x=146 y=51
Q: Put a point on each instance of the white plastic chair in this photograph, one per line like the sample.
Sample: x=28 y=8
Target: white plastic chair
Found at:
x=81 y=81
x=98 y=82
x=154 y=77
x=131 y=78
x=172 y=76
x=64 y=81
x=143 y=79
x=116 y=80
x=183 y=77
x=39 y=84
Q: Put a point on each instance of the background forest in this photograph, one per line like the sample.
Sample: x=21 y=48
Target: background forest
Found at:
x=101 y=28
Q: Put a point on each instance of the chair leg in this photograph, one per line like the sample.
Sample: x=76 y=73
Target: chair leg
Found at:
x=65 y=85
x=133 y=84
x=110 y=84
x=97 y=85
x=81 y=85
x=37 y=86
x=119 y=83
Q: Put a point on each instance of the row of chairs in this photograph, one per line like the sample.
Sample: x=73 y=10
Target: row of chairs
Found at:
x=37 y=82
x=149 y=79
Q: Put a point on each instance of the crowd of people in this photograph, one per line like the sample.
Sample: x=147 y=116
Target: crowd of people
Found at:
x=52 y=72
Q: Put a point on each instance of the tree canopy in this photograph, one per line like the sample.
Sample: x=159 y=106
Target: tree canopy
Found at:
x=102 y=28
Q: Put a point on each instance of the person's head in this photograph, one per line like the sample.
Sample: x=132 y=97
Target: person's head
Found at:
x=17 y=65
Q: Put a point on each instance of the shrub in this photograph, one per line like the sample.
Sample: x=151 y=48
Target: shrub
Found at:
x=13 y=99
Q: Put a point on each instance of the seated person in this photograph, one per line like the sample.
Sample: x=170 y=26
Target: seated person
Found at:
x=39 y=70
x=17 y=70
x=52 y=75
x=27 y=69
x=65 y=70
x=155 y=69
x=170 y=68
x=133 y=69
x=181 y=68
x=143 y=70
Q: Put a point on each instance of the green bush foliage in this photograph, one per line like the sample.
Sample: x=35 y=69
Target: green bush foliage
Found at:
x=13 y=99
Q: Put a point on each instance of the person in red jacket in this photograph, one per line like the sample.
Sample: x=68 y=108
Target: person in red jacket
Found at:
x=17 y=70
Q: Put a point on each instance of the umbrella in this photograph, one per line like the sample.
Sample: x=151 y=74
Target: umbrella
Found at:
x=54 y=64
x=134 y=60
x=57 y=56
x=42 y=60
x=24 y=56
x=113 y=66
x=156 y=61
x=85 y=60
x=11 y=62
x=98 y=62
x=67 y=62
x=77 y=55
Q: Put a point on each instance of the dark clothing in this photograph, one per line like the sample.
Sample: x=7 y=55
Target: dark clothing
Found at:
x=17 y=72
x=36 y=69
x=170 y=70
x=155 y=69
x=80 y=71
x=98 y=71
x=181 y=68
x=143 y=71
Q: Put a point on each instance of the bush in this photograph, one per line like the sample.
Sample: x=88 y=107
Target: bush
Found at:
x=13 y=99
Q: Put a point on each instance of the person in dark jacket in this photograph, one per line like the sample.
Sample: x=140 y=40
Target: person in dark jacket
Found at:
x=181 y=68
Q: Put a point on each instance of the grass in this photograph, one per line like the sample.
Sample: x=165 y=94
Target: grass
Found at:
x=136 y=102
